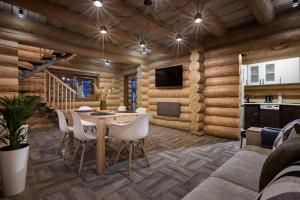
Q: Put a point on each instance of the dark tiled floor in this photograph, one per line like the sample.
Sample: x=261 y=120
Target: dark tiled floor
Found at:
x=179 y=162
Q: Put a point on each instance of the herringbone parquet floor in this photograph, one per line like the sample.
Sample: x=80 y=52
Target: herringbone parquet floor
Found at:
x=179 y=162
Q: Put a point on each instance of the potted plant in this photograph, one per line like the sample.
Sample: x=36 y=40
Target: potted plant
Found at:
x=14 y=113
x=101 y=94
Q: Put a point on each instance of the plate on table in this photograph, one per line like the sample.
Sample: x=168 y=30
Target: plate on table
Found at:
x=83 y=111
x=127 y=111
x=101 y=113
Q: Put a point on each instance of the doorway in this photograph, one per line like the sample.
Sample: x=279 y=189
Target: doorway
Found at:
x=130 y=92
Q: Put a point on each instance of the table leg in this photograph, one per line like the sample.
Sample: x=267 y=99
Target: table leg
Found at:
x=100 y=153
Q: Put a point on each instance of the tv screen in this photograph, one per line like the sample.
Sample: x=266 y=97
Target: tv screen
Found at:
x=169 y=77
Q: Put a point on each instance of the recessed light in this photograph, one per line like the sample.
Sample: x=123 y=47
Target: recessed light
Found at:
x=103 y=29
x=98 y=3
x=198 y=18
x=20 y=12
x=179 y=37
x=295 y=3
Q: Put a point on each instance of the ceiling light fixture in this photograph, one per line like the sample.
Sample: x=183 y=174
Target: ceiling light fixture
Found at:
x=103 y=29
x=142 y=43
x=198 y=18
x=98 y=3
x=21 y=12
x=107 y=62
x=179 y=37
x=144 y=50
x=295 y=3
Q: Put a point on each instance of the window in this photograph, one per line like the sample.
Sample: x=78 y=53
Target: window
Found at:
x=270 y=72
x=254 y=74
x=84 y=85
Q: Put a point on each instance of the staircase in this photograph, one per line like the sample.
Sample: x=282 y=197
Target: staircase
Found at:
x=47 y=58
x=36 y=80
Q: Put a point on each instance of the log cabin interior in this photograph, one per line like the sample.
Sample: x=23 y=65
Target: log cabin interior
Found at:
x=152 y=99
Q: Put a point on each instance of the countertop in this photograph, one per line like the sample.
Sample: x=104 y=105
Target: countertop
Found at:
x=284 y=104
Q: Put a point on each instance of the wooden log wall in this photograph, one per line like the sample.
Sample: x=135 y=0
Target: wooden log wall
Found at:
x=144 y=88
x=9 y=84
x=288 y=91
x=33 y=86
x=222 y=115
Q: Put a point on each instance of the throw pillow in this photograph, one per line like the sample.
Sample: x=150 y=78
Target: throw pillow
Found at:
x=280 y=158
x=285 y=186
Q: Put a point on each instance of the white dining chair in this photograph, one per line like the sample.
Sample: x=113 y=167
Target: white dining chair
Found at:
x=84 y=122
x=121 y=108
x=67 y=130
x=130 y=133
x=82 y=136
x=141 y=110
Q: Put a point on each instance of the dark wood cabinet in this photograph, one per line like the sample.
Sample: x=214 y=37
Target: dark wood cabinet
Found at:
x=251 y=117
x=289 y=113
x=270 y=118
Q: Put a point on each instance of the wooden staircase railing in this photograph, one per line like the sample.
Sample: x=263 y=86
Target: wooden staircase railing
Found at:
x=57 y=94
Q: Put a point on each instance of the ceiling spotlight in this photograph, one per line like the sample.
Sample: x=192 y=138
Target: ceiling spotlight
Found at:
x=107 y=62
x=179 y=37
x=144 y=50
x=98 y=3
x=295 y=3
x=103 y=29
x=21 y=12
x=63 y=78
x=198 y=18
x=142 y=43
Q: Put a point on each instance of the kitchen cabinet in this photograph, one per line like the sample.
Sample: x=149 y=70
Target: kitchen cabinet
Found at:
x=270 y=116
x=289 y=113
x=251 y=116
x=272 y=72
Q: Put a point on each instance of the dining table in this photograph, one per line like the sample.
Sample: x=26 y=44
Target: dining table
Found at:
x=102 y=119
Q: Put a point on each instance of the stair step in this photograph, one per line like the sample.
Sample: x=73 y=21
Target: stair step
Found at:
x=46 y=58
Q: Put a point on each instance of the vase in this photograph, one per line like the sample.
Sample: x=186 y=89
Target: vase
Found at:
x=103 y=105
x=13 y=165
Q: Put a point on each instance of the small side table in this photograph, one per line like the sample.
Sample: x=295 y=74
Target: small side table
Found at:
x=243 y=135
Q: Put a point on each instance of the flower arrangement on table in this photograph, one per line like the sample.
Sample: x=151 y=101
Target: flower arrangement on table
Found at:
x=102 y=93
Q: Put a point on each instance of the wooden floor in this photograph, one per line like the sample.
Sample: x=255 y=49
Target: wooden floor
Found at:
x=179 y=162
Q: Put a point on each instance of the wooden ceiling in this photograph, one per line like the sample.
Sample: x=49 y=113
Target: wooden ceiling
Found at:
x=65 y=24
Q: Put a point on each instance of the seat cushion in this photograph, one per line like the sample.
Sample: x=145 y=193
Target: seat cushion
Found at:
x=243 y=169
x=215 y=188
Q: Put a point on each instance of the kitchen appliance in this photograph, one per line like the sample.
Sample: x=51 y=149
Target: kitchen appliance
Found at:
x=268 y=99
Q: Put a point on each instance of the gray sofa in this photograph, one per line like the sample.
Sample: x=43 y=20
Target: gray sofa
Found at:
x=238 y=178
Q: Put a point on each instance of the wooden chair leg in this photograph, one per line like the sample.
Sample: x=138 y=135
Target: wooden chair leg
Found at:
x=62 y=142
x=119 y=152
x=82 y=157
x=133 y=150
x=145 y=153
x=129 y=157
x=66 y=147
x=75 y=153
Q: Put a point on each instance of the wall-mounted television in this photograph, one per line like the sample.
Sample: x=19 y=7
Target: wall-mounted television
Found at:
x=169 y=77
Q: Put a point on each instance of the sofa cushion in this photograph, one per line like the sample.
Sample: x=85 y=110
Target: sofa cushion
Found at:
x=285 y=132
x=215 y=188
x=280 y=158
x=243 y=169
x=285 y=186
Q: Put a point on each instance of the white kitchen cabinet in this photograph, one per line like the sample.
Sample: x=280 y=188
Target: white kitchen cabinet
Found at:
x=272 y=72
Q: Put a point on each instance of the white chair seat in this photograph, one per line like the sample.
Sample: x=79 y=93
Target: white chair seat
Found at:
x=70 y=128
x=87 y=123
x=90 y=136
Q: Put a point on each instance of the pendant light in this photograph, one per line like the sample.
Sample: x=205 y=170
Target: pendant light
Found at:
x=179 y=37
x=103 y=29
x=20 y=13
x=142 y=43
x=198 y=18
x=295 y=3
x=98 y=3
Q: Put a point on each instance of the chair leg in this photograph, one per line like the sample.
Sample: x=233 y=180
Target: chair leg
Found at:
x=62 y=142
x=133 y=150
x=145 y=153
x=66 y=147
x=75 y=153
x=119 y=152
x=82 y=157
x=129 y=157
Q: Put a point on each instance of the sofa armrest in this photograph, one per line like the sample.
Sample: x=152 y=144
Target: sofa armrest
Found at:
x=253 y=136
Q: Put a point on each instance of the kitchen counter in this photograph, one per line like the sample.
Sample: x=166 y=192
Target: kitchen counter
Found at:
x=284 y=104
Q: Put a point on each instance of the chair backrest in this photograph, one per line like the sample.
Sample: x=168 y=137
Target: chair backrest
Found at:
x=62 y=121
x=135 y=130
x=85 y=108
x=141 y=110
x=78 y=130
x=121 y=108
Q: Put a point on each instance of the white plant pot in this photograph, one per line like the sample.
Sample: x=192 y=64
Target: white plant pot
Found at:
x=13 y=168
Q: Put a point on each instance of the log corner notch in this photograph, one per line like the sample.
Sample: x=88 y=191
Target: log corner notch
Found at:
x=263 y=10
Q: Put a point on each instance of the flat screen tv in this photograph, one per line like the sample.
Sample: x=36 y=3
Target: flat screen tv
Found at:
x=169 y=77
